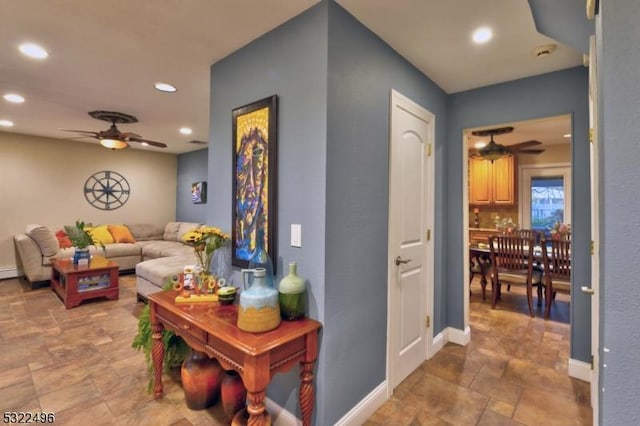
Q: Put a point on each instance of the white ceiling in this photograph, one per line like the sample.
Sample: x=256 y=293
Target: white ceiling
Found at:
x=107 y=55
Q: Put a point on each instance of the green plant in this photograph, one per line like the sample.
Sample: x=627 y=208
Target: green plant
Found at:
x=79 y=237
x=175 y=349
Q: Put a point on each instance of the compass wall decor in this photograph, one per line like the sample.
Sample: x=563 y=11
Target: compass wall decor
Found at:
x=106 y=190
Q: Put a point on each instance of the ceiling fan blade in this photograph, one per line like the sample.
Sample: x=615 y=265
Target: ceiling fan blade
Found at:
x=153 y=143
x=525 y=144
x=80 y=131
x=127 y=135
x=530 y=151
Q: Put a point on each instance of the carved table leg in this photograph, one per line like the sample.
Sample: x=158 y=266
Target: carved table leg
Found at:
x=157 y=355
x=306 y=392
x=256 y=409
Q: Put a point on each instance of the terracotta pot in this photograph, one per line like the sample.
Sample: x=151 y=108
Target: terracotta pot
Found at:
x=201 y=380
x=233 y=394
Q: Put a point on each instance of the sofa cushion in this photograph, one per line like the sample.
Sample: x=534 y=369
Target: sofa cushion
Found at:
x=186 y=227
x=63 y=239
x=45 y=238
x=121 y=234
x=145 y=231
x=158 y=249
x=158 y=271
x=121 y=249
x=171 y=231
x=100 y=234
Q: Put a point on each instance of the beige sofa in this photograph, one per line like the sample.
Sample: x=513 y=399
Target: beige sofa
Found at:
x=157 y=253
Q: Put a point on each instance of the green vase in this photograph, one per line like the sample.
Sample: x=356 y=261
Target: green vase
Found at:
x=292 y=295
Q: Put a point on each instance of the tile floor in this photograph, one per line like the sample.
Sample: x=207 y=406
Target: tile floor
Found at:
x=79 y=364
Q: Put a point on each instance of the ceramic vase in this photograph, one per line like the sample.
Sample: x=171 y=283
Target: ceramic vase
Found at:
x=201 y=379
x=233 y=394
x=80 y=253
x=292 y=295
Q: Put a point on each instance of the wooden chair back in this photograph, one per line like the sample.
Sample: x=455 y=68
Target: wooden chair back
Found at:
x=512 y=260
x=529 y=233
x=556 y=255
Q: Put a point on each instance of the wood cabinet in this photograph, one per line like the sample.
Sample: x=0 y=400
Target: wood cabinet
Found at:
x=492 y=182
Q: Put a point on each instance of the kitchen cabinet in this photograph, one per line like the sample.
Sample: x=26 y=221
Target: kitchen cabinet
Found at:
x=492 y=183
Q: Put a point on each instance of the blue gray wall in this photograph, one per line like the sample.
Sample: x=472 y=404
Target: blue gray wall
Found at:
x=192 y=167
x=362 y=71
x=290 y=61
x=619 y=111
x=562 y=92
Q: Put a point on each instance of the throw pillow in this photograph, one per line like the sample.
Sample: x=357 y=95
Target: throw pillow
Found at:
x=121 y=234
x=44 y=238
x=100 y=234
x=63 y=239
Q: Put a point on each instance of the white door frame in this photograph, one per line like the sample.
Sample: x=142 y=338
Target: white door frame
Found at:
x=595 y=230
x=396 y=97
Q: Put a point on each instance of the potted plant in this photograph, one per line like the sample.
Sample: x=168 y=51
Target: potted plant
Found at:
x=81 y=240
x=175 y=349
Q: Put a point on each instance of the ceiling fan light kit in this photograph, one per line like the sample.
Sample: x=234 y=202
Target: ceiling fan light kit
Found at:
x=113 y=138
x=493 y=151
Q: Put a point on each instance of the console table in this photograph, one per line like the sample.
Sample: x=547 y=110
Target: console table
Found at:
x=211 y=328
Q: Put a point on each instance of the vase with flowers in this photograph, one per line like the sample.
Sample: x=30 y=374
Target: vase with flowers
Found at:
x=205 y=240
x=560 y=231
x=505 y=225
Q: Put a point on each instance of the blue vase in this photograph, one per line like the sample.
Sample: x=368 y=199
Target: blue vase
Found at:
x=80 y=253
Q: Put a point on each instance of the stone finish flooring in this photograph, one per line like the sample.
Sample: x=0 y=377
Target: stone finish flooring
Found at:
x=512 y=372
x=79 y=364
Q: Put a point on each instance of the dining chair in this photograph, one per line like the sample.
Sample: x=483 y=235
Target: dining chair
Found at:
x=537 y=236
x=512 y=261
x=556 y=255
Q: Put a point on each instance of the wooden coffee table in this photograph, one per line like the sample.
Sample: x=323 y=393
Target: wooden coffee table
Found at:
x=75 y=283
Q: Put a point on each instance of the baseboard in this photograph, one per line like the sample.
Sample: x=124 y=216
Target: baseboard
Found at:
x=280 y=416
x=457 y=336
x=365 y=408
x=579 y=370
x=438 y=343
x=9 y=273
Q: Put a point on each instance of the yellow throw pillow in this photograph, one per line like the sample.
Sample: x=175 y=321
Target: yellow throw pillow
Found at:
x=121 y=234
x=100 y=234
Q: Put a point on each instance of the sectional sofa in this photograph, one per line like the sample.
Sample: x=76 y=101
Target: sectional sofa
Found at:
x=155 y=253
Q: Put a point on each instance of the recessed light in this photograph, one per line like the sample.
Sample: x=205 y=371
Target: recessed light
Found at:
x=482 y=35
x=165 y=87
x=186 y=130
x=12 y=97
x=33 y=50
x=6 y=123
x=480 y=144
x=568 y=135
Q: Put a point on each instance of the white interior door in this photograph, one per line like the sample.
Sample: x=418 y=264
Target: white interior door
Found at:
x=410 y=243
x=595 y=230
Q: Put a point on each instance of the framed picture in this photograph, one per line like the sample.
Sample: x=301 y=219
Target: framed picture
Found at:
x=199 y=192
x=254 y=192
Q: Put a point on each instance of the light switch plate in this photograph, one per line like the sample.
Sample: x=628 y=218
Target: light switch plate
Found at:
x=296 y=235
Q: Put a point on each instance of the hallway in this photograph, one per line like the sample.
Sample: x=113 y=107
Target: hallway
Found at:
x=513 y=371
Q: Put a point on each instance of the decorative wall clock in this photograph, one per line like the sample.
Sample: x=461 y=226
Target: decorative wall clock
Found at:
x=106 y=190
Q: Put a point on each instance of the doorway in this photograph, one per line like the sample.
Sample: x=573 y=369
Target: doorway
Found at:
x=541 y=184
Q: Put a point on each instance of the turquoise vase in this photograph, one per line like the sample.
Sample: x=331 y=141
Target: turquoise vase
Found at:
x=292 y=295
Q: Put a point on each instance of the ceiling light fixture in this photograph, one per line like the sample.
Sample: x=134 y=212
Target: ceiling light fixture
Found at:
x=165 y=87
x=482 y=35
x=6 y=123
x=480 y=144
x=14 y=98
x=186 y=130
x=114 y=143
x=33 y=50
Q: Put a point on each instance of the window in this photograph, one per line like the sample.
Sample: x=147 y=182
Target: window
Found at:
x=545 y=196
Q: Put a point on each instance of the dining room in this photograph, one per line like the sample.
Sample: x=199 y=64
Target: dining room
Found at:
x=519 y=184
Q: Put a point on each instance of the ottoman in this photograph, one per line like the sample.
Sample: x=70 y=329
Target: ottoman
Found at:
x=152 y=275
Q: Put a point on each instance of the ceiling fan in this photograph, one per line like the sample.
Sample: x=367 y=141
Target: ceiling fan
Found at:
x=492 y=151
x=112 y=137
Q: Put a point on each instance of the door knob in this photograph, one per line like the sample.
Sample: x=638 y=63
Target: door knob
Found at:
x=586 y=290
x=400 y=260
